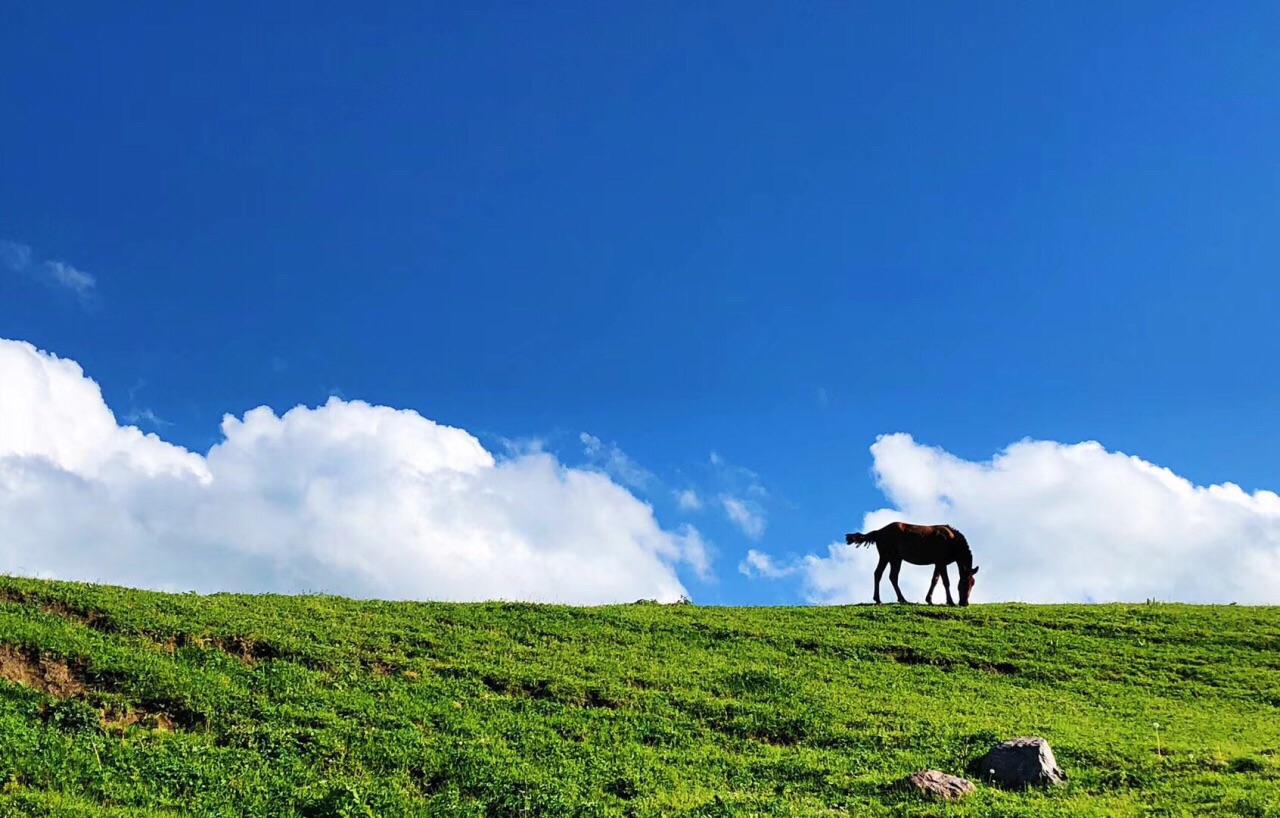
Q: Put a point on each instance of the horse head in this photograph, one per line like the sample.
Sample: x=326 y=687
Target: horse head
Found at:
x=966 y=583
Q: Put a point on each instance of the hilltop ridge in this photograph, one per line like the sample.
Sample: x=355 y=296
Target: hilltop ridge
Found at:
x=123 y=702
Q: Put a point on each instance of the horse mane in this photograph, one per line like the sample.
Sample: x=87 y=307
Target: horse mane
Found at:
x=963 y=547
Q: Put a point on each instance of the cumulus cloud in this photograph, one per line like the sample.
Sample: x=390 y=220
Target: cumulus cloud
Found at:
x=695 y=552
x=1054 y=522
x=17 y=258
x=760 y=564
x=345 y=498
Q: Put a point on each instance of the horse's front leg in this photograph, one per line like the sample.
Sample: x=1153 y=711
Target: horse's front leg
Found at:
x=941 y=571
x=933 y=583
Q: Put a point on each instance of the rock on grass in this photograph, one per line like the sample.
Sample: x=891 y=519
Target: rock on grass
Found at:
x=937 y=784
x=1021 y=762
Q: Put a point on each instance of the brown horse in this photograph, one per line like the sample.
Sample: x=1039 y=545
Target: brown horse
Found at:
x=936 y=545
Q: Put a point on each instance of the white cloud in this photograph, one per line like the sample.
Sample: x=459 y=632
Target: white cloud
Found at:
x=64 y=275
x=615 y=462
x=1052 y=522
x=138 y=416
x=688 y=500
x=145 y=416
x=345 y=498
x=17 y=258
x=741 y=496
x=695 y=552
x=760 y=564
x=745 y=514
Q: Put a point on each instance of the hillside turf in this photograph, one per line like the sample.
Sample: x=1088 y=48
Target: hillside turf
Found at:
x=116 y=702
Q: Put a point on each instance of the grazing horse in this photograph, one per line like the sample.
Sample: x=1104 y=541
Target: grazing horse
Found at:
x=935 y=545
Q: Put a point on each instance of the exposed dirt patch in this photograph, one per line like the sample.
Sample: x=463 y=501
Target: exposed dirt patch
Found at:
x=530 y=688
x=88 y=617
x=245 y=648
x=910 y=656
x=1002 y=668
x=830 y=650
x=47 y=674
x=542 y=690
x=66 y=681
x=117 y=721
x=12 y=596
x=596 y=697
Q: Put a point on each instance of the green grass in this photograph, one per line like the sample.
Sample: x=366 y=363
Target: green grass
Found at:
x=135 y=703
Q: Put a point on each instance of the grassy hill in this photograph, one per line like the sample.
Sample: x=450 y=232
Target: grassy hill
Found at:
x=121 y=702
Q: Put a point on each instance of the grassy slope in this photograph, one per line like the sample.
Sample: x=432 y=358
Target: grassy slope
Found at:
x=236 y=705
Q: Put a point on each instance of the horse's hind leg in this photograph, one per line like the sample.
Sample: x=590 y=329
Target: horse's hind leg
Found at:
x=879 y=573
x=893 y=578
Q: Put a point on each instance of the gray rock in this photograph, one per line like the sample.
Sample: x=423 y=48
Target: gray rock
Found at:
x=1021 y=762
x=937 y=784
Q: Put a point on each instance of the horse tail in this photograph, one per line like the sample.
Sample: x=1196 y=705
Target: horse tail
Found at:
x=860 y=539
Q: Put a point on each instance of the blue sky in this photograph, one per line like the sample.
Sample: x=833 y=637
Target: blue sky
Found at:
x=765 y=232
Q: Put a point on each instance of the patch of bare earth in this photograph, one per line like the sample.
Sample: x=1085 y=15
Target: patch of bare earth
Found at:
x=117 y=721
x=244 y=648
x=84 y=616
x=63 y=680
x=44 y=673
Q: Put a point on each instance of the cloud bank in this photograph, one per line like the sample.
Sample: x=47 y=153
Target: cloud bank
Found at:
x=343 y=498
x=1052 y=522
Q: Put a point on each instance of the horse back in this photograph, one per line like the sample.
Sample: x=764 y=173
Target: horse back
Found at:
x=922 y=532
x=921 y=544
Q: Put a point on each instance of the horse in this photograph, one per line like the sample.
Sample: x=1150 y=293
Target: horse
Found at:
x=936 y=545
